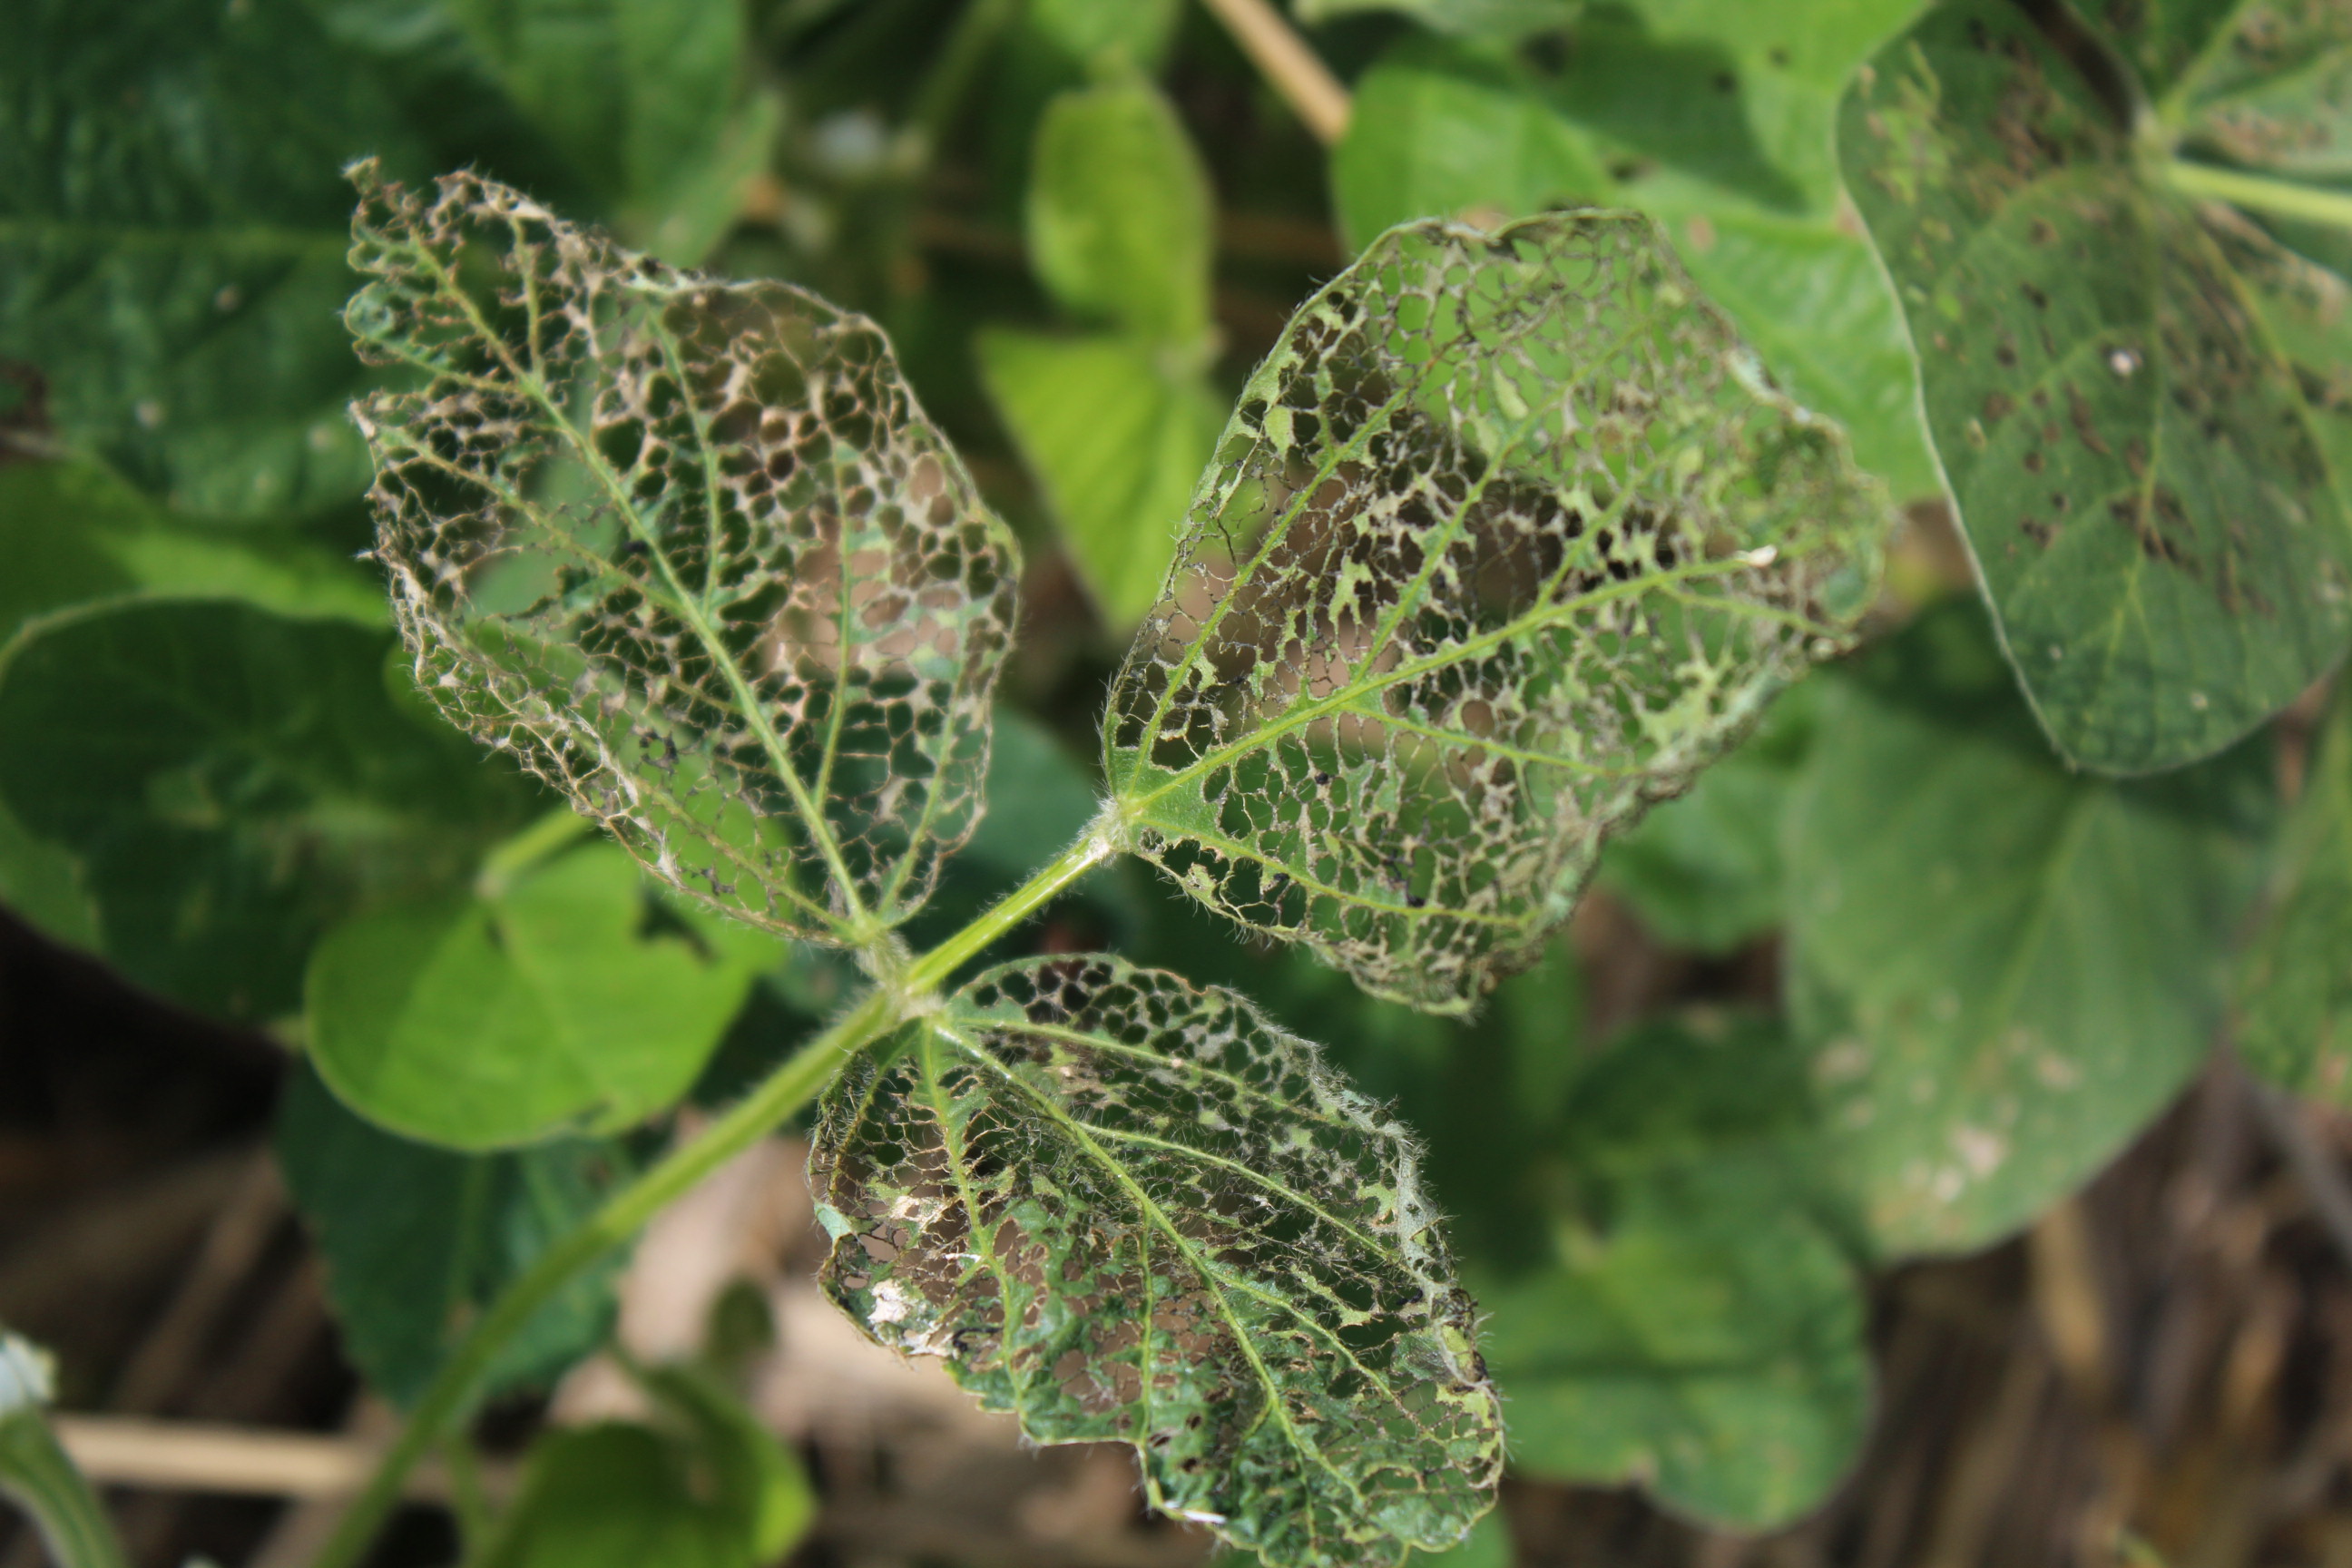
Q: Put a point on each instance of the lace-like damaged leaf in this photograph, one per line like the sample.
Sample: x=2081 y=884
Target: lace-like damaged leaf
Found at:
x=1507 y=538
x=688 y=548
x=1125 y=1208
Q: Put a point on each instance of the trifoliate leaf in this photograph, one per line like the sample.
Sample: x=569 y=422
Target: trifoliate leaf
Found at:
x=689 y=549
x=2153 y=466
x=1128 y=1208
x=1507 y=539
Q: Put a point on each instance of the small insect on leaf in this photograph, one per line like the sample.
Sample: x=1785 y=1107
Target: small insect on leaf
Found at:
x=688 y=548
x=1507 y=539
x=1125 y=1208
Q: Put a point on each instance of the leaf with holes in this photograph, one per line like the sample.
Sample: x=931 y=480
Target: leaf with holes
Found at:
x=2153 y=461
x=1129 y=1208
x=1508 y=539
x=689 y=549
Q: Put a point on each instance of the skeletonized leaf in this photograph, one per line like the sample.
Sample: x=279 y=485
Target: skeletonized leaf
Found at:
x=1125 y=1208
x=689 y=549
x=2153 y=467
x=1507 y=538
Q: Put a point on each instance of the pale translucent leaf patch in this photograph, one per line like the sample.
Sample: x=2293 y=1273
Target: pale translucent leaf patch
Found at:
x=1125 y=1208
x=688 y=548
x=1507 y=538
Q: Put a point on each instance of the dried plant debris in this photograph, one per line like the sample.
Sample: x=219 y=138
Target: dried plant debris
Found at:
x=2141 y=400
x=688 y=548
x=1125 y=1208
x=1507 y=538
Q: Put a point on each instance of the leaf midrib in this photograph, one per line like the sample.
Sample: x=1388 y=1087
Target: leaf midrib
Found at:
x=754 y=713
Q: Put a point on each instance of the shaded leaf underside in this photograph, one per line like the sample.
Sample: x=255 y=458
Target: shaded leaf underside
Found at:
x=1125 y=1208
x=689 y=549
x=1506 y=539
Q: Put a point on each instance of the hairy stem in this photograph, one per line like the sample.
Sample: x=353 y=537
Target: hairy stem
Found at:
x=785 y=1091
x=2283 y=197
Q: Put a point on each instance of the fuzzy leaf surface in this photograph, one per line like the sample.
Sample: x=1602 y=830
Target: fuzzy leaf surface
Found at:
x=1507 y=538
x=1128 y=1209
x=689 y=549
x=2153 y=462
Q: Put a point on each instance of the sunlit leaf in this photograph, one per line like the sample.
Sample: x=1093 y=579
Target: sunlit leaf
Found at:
x=689 y=549
x=547 y=1002
x=1128 y=1208
x=2004 y=968
x=2295 y=986
x=1507 y=539
x=1120 y=212
x=1116 y=437
x=417 y=1241
x=2155 y=477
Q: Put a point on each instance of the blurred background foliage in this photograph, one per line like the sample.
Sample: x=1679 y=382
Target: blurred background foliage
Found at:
x=1890 y=981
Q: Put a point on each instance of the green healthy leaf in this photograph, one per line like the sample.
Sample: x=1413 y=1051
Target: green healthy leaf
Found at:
x=2005 y=969
x=689 y=550
x=1701 y=1325
x=544 y=1004
x=1116 y=437
x=418 y=1240
x=2295 y=986
x=2152 y=471
x=1449 y=131
x=646 y=101
x=1704 y=870
x=1120 y=217
x=229 y=784
x=72 y=532
x=1507 y=539
x=1717 y=122
x=172 y=240
x=1128 y=1208
x=710 y=1489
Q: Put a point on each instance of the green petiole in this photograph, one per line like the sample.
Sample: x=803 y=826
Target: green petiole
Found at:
x=906 y=994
